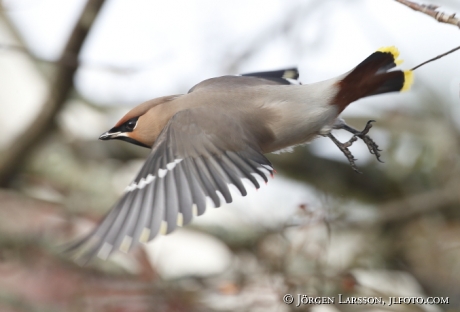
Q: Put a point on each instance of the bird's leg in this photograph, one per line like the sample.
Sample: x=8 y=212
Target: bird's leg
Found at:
x=344 y=148
x=371 y=145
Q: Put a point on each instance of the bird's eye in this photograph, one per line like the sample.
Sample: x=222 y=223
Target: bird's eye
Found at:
x=131 y=124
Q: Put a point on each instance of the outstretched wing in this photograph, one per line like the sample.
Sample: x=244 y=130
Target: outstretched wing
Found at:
x=199 y=153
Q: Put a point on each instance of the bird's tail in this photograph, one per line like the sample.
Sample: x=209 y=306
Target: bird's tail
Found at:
x=372 y=76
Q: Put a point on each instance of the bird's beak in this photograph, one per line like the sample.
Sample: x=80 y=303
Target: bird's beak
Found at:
x=108 y=136
x=118 y=135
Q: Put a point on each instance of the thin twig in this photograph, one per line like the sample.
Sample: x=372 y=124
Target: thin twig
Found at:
x=436 y=58
x=431 y=11
x=439 y=16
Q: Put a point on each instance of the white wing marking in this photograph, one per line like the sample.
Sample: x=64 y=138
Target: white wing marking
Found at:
x=150 y=178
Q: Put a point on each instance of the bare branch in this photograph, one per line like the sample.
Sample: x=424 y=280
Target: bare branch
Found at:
x=62 y=86
x=441 y=17
x=68 y=59
x=419 y=204
x=431 y=11
x=407 y=208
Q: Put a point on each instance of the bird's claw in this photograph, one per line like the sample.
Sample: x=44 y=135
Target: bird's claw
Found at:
x=371 y=145
x=344 y=148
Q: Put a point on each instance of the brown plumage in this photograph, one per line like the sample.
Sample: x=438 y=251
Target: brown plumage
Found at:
x=216 y=135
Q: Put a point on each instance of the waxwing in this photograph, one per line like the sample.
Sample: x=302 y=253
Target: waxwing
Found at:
x=217 y=134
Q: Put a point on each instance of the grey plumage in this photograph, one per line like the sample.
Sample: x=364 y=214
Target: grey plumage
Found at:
x=216 y=135
x=189 y=161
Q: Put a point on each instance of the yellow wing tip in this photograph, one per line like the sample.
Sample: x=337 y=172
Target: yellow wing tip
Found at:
x=394 y=51
x=408 y=80
x=145 y=234
x=163 y=228
x=291 y=74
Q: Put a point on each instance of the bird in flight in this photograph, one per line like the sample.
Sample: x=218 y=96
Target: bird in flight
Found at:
x=217 y=135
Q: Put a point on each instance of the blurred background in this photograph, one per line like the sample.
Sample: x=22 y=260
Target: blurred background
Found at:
x=70 y=69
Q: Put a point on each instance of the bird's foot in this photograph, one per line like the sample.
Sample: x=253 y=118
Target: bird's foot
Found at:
x=371 y=145
x=344 y=148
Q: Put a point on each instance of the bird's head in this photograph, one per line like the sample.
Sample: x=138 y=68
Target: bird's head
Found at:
x=126 y=130
x=142 y=124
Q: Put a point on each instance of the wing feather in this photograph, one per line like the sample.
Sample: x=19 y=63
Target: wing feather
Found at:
x=157 y=216
x=198 y=193
x=232 y=172
x=184 y=195
x=199 y=170
x=171 y=202
x=245 y=168
x=195 y=156
x=144 y=215
x=219 y=178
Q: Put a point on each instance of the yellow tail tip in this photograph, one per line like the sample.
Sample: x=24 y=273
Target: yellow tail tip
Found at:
x=408 y=80
x=394 y=51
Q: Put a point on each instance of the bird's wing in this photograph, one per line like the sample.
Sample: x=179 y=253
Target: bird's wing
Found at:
x=277 y=77
x=199 y=153
x=283 y=76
